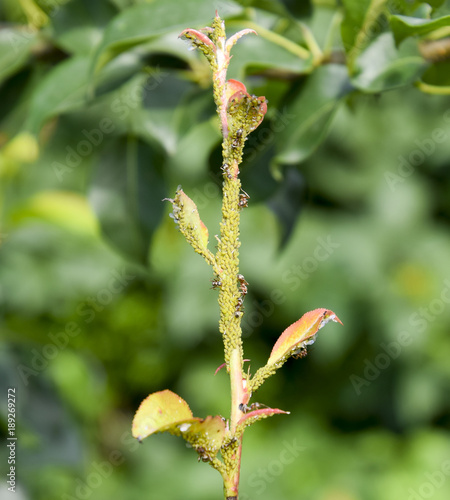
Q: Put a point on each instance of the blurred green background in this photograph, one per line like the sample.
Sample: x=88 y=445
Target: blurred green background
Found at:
x=104 y=111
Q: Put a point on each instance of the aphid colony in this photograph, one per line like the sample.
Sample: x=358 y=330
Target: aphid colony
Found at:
x=243 y=290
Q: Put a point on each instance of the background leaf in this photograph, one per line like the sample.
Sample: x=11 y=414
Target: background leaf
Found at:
x=404 y=27
x=312 y=109
x=126 y=193
x=359 y=25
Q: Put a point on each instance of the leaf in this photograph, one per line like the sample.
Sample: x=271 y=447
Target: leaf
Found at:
x=296 y=336
x=267 y=51
x=383 y=67
x=62 y=89
x=206 y=434
x=159 y=412
x=15 y=49
x=359 y=26
x=141 y=23
x=165 y=411
x=77 y=26
x=288 y=201
x=253 y=416
x=65 y=88
x=185 y=214
x=311 y=112
x=126 y=193
x=404 y=26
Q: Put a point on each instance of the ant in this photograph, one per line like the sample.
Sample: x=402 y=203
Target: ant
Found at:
x=254 y=406
x=243 y=199
x=203 y=455
x=216 y=283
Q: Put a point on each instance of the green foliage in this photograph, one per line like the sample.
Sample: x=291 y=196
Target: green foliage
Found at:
x=356 y=177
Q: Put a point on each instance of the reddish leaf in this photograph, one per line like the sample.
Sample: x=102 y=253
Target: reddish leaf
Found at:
x=299 y=334
x=234 y=86
x=255 y=415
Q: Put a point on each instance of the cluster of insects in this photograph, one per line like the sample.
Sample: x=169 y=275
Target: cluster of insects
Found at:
x=243 y=289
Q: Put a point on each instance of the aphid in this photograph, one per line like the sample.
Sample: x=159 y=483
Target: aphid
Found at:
x=243 y=199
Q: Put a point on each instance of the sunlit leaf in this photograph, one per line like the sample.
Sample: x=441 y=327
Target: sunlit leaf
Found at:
x=300 y=333
x=165 y=411
x=159 y=412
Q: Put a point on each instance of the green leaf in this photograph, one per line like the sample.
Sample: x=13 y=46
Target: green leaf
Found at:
x=382 y=67
x=66 y=87
x=359 y=26
x=78 y=26
x=63 y=89
x=267 y=51
x=310 y=113
x=300 y=334
x=404 y=27
x=15 y=49
x=143 y=22
x=126 y=193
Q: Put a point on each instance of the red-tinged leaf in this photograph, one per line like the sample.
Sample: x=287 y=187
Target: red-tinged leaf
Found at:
x=159 y=412
x=299 y=334
x=234 y=86
x=233 y=39
x=255 y=415
x=200 y=41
